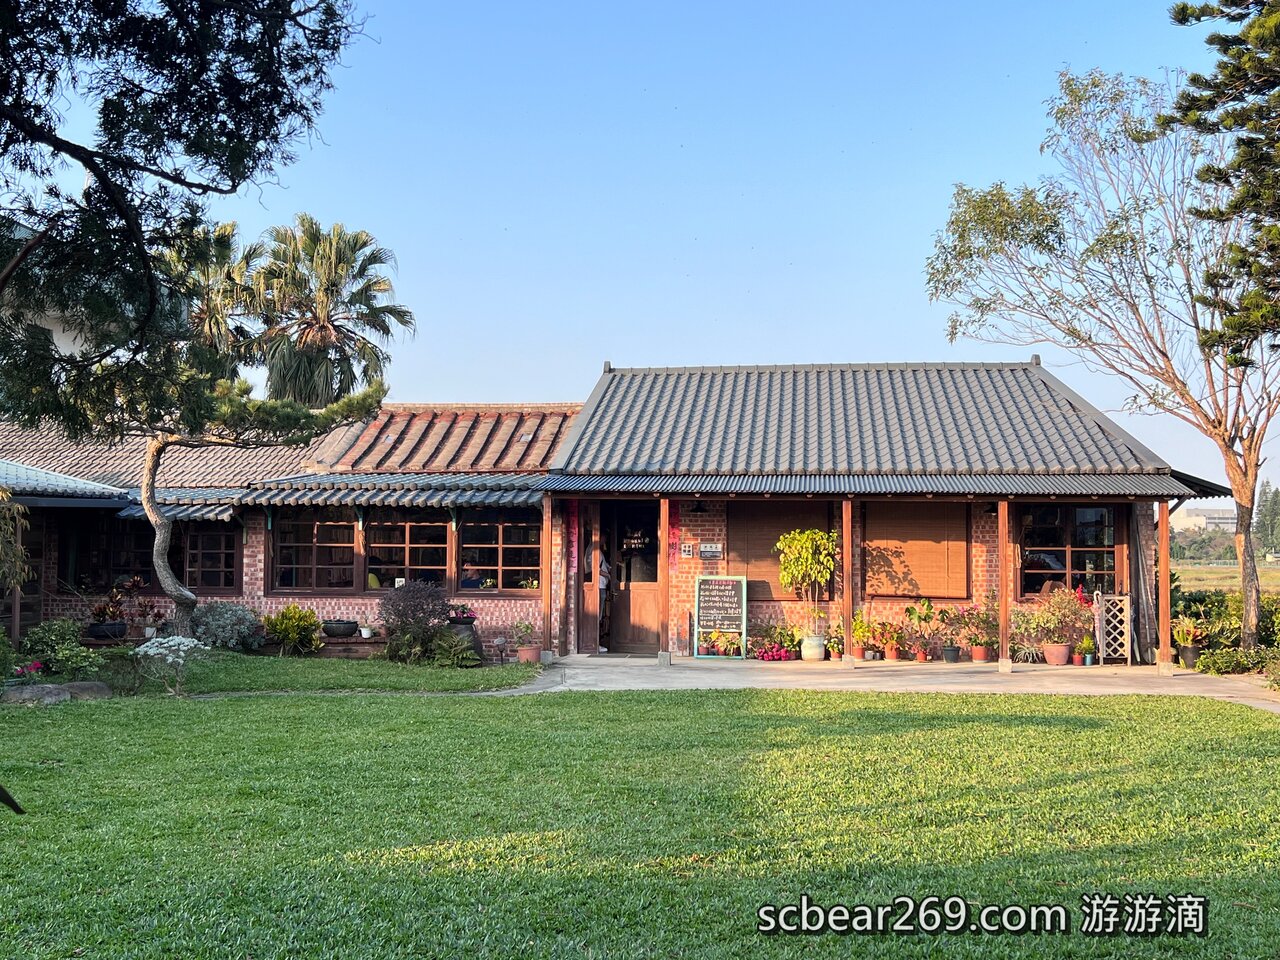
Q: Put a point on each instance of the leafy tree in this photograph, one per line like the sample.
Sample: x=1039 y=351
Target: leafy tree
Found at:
x=1241 y=100
x=14 y=565
x=329 y=312
x=1106 y=259
x=806 y=563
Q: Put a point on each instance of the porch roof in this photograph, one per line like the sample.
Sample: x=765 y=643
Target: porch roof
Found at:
x=399 y=490
x=23 y=481
x=944 y=428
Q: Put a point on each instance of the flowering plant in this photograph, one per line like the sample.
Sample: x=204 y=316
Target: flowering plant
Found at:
x=462 y=610
x=166 y=659
x=26 y=672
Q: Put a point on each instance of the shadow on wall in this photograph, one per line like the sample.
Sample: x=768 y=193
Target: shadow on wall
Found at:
x=887 y=572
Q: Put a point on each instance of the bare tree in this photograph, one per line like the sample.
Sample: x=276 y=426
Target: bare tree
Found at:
x=1106 y=259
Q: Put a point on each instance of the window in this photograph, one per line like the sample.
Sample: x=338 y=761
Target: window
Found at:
x=752 y=531
x=314 y=551
x=916 y=549
x=1070 y=545
x=211 y=552
x=399 y=549
x=500 y=551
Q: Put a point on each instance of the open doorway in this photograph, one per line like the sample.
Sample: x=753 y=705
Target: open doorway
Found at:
x=621 y=606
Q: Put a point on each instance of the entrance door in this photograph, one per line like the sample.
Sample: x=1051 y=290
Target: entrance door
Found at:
x=634 y=622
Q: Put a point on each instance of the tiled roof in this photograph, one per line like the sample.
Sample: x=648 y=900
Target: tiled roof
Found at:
x=22 y=480
x=846 y=420
x=493 y=438
x=400 y=490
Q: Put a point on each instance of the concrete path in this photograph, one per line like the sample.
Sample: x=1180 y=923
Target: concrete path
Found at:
x=581 y=672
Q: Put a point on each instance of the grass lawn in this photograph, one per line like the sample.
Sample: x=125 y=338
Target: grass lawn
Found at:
x=224 y=671
x=622 y=825
x=1204 y=577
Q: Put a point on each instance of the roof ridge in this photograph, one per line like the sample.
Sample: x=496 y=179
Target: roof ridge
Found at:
x=820 y=367
x=416 y=407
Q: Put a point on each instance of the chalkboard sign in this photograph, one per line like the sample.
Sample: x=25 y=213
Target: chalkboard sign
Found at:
x=721 y=604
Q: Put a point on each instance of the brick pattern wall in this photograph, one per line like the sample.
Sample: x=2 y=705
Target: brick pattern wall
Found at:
x=496 y=614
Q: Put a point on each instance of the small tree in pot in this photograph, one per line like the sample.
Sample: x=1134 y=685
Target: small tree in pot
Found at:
x=528 y=650
x=806 y=564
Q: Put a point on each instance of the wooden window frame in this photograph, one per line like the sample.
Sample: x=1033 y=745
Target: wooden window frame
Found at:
x=1119 y=548
x=502 y=522
x=198 y=528
x=106 y=527
x=868 y=594
x=319 y=519
x=405 y=546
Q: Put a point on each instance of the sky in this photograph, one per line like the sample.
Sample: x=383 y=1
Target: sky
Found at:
x=710 y=183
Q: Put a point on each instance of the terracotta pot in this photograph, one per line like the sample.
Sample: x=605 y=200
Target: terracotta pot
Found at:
x=529 y=653
x=836 y=655
x=891 y=653
x=859 y=653
x=1077 y=659
x=1057 y=654
x=980 y=654
x=703 y=650
x=922 y=657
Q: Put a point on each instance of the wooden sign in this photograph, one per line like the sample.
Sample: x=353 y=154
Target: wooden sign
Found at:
x=720 y=604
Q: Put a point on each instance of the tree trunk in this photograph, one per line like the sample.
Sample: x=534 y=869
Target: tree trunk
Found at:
x=184 y=600
x=1248 y=575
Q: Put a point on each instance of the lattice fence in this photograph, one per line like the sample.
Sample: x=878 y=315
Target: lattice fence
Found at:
x=1113 y=625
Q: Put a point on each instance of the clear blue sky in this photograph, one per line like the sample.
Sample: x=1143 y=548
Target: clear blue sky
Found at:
x=675 y=183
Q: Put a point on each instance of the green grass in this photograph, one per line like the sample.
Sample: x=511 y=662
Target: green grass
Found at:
x=1205 y=577
x=223 y=672
x=621 y=825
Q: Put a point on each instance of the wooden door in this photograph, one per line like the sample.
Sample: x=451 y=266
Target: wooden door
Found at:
x=635 y=624
x=588 y=565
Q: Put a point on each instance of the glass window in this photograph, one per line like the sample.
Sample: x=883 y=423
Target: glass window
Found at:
x=500 y=551
x=403 y=549
x=211 y=557
x=314 y=551
x=1068 y=545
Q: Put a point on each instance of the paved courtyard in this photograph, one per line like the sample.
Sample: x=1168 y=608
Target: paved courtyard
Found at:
x=582 y=672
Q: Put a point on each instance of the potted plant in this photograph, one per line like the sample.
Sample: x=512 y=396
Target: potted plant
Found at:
x=806 y=564
x=1087 y=648
x=728 y=644
x=891 y=641
x=340 y=628
x=108 y=619
x=924 y=624
x=859 y=636
x=1077 y=658
x=528 y=650
x=297 y=630
x=920 y=649
x=835 y=646
x=461 y=613
x=367 y=631
x=1187 y=636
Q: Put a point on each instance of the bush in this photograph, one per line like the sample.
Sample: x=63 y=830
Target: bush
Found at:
x=44 y=638
x=166 y=659
x=415 y=616
x=120 y=670
x=8 y=659
x=295 y=629
x=1221 y=612
x=1235 y=660
x=75 y=660
x=454 y=650
x=230 y=625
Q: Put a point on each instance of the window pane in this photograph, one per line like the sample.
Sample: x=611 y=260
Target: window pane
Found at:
x=335 y=533
x=335 y=556
x=1034 y=582
x=384 y=533
x=1044 y=560
x=512 y=534
x=479 y=533
x=294 y=578
x=519 y=579
x=1095 y=527
x=335 y=578
x=478 y=578
x=427 y=556
x=1085 y=561
x=382 y=578
x=430 y=576
x=429 y=533
x=521 y=557
x=479 y=557
x=1106 y=582
x=1044 y=537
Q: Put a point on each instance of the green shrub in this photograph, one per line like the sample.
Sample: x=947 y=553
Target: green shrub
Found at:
x=1235 y=660
x=1220 y=613
x=43 y=639
x=454 y=650
x=73 y=659
x=295 y=629
x=120 y=671
x=230 y=625
x=8 y=659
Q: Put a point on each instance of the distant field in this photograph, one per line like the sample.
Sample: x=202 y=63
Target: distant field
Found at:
x=1224 y=578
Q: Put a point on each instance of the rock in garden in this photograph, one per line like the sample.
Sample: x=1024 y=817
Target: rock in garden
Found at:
x=88 y=690
x=45 y=694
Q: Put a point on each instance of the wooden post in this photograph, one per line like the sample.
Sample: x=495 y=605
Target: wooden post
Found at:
x=664 y=580
x=1004 y=578
x=1164 y=658
x=846 y=573
x=545 y=572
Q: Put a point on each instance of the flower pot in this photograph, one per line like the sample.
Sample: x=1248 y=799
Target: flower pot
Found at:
x=703 y=650
x=110 y=630
x=1077 y=659
x=836 y=655
x=1188 y=654
x=340 y=628
x=1057 y=654
x=813 y=648
x=462 y=621
x=366 y=633
x=922 y=657
x=891 y=653
x=859 y=653
x=1088 y=659
x=951 y=654
x=980 y=654
x=529 y=653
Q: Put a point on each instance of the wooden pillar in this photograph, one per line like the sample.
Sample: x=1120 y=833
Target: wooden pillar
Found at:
x=846 y=571
x=1164 y=658
x=664 y=576
x=1004 y=580
x=544 y=574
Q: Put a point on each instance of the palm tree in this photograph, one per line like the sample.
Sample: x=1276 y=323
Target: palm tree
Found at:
x=215 y=276
x=327 y=309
